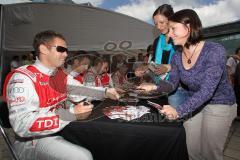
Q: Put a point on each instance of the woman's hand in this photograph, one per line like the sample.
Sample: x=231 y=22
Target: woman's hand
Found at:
x=162 y=69
x=170 y=112
x=147 y=87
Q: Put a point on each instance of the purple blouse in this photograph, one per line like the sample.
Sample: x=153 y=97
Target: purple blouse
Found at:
x=207 y=80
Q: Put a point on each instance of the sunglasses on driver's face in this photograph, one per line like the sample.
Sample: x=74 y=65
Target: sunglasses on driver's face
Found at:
x=61 y=49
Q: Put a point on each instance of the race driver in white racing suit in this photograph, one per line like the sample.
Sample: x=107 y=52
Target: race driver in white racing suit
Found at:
x=37 y=100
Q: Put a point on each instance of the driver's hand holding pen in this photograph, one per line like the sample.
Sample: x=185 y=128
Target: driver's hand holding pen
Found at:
x=112 y=93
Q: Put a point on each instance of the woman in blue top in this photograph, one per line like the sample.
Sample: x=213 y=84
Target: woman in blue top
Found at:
x=163 y=45
x=210 y=104
x=163 y=50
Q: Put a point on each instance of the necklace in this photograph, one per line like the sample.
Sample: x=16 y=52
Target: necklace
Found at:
x=189 y=61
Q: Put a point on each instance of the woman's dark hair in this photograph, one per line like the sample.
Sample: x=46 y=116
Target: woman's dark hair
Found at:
x=165 y=10
x=189 y=17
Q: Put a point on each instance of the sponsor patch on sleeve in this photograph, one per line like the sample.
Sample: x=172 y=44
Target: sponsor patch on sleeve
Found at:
x=16 y=81
x=16 y=90
x=16 y=101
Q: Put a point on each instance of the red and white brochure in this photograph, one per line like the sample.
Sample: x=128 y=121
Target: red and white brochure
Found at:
x=125 y=112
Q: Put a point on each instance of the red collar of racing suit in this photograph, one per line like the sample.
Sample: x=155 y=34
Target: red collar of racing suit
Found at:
x=78 y=76
x=51 y=90
x=96 y=77
x=105 y=79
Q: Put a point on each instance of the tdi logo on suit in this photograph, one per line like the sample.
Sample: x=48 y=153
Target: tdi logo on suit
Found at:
x=17 y=90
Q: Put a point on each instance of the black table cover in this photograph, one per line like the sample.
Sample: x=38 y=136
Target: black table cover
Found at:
x=147 y=138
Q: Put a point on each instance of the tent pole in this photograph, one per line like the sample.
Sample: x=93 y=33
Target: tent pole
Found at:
x=1 y=49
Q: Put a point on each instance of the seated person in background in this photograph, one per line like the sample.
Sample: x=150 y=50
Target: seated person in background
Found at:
x=15 y=62
x=27 y=59
x=79 y=66
x=30 y=57
x=120 y=76
x=117 y=60
x=232 y=63
x=106 y=78
x=42 y=108
x=146 y=77
x=93 y=75
x=24 y=60
x=139 y=61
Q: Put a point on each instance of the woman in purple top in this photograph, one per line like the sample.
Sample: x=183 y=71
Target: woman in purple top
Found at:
x=210 y=106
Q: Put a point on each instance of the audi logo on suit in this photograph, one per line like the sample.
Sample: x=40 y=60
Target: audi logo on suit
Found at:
x=17 y=90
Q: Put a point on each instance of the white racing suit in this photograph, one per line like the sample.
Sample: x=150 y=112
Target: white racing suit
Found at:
x=38 y=108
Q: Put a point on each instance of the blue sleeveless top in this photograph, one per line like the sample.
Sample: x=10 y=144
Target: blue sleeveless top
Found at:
x=162 y=46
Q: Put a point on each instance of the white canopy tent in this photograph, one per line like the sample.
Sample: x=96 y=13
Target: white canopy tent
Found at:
x=84 y=27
